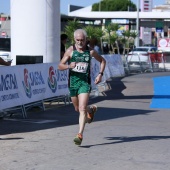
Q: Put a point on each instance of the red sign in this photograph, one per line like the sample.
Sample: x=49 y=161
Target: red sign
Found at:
x=164 y=44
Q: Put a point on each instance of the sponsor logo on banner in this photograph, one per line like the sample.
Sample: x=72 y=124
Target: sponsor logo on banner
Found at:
x=57 y=79
x=32 y=80
x=62 y=77
x=26 y=84
x=52 y=82
x=8 y=82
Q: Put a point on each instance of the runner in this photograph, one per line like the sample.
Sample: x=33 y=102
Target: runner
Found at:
x=77 y=59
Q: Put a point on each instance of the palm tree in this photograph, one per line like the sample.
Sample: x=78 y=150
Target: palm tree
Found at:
x=114 y=40
x=123 y=41
x=99 y=34
x=111 y=29
x=108 y=29
x=90 y=31
x=94 y=34
x=126 y=38
x=90 y=35
x=134 y=34
x=70 y=28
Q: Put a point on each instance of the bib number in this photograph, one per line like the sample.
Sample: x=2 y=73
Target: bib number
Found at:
x=81 y=67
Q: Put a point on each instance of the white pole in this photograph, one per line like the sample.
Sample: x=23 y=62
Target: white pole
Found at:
x=137 y=24
x=35 y=30
x=100 y=5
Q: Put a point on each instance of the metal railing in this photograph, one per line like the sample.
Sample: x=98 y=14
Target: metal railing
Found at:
x=160 y=62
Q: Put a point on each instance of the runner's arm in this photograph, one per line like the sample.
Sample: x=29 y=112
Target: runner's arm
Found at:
x=102 y=65
x=63 y=65
x=100 y=59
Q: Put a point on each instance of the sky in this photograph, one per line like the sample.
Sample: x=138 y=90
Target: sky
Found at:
x=5 y=4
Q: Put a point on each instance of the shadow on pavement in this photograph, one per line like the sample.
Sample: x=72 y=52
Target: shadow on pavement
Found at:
x=66 y=116
x=10 y=138
x=116 y=86
x=114 y=113
x=117 y=140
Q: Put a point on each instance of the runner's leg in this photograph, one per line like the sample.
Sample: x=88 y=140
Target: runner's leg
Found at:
x=75 y=103
x=83 y=101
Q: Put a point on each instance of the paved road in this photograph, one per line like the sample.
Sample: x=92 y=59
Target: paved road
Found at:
x=126 y=133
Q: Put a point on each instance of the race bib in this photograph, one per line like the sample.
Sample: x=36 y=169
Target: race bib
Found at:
x=81 y=67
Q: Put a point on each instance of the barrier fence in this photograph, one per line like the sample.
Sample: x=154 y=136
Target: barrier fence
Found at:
x=152 y=62
x=25 y=86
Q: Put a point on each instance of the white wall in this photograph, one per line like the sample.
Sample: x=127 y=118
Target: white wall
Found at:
x=35 y=29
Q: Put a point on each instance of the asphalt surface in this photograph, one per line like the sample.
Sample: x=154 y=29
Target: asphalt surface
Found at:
x=125 y=135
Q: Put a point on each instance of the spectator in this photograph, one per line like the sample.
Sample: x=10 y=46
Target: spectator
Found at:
x=63 y=43
x=5 y=63
x=97 y=48
x=94 y=44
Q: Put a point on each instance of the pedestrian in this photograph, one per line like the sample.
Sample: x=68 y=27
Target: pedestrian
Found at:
x=97 y=48
x=5 y=63
x=77 y=59
x=64 y=38
x=95 y=45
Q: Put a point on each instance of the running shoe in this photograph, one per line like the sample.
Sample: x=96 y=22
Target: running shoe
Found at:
x=90 y=116
x=78 y=139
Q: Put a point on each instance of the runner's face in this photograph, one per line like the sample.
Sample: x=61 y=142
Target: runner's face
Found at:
x=80 y=40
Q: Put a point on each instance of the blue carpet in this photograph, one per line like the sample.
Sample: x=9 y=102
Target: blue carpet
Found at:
x=161 y=97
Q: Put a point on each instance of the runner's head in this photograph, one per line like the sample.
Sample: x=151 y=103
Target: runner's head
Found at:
x=80 y=38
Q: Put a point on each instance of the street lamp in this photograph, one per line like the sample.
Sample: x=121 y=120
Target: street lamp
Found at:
x=100 y=5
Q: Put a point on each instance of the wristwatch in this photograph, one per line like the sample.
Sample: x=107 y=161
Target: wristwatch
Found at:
x=101 y=73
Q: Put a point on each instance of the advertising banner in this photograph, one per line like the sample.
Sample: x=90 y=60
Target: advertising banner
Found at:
x=23 y=84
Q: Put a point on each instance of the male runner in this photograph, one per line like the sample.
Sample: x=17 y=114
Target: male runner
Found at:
x=78 y=58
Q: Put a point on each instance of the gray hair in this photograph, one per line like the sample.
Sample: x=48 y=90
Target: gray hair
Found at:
x=81 y=31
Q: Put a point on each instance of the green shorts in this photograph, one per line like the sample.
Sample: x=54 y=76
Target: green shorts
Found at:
x=83 y=88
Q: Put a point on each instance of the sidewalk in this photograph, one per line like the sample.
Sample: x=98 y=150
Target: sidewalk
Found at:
x=125 y=135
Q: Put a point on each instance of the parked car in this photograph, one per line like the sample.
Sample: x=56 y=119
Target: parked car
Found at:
x=148 y=45
x=5 y=48
x=141 y=57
